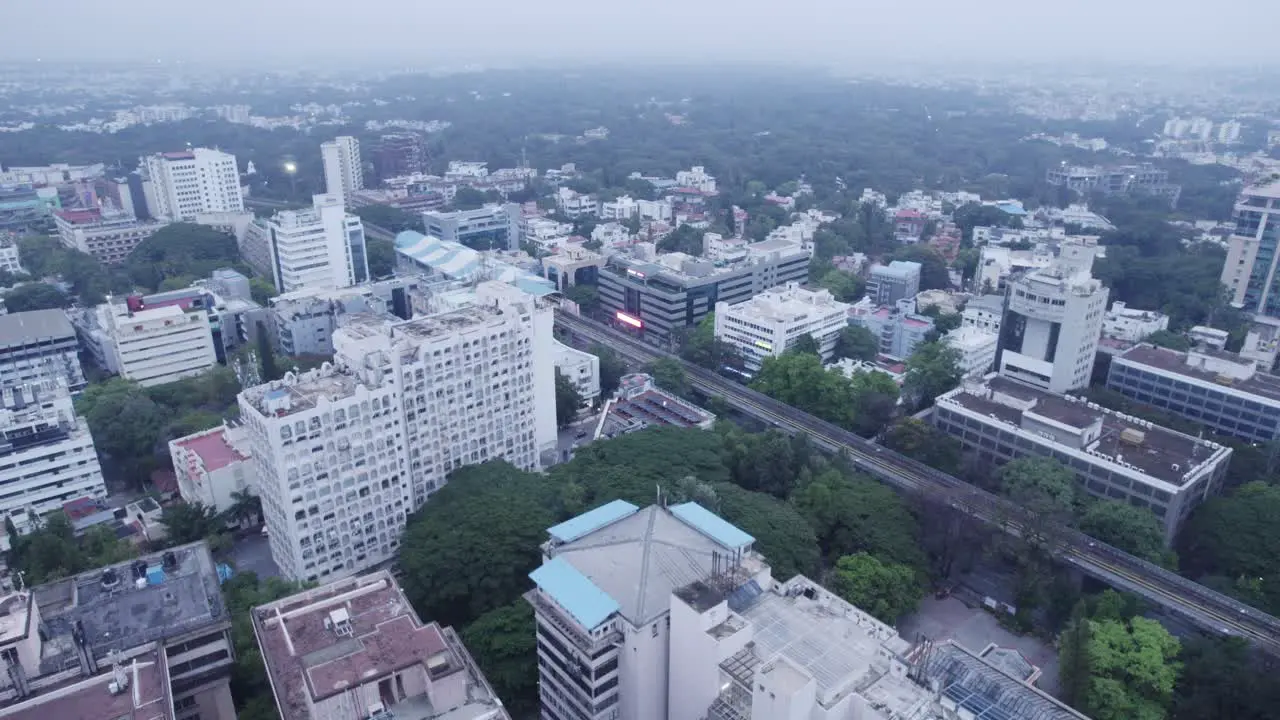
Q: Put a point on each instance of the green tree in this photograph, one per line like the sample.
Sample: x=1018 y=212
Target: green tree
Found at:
x=852 y=514
x=612 y=368
x=799 y=380
x=1132 y=529
x=686 y=239
x=846 y=287
x=180 y=249
x=1075 y=670
x=568 y=400
x=1237 y=538
x=52 y=551
x=262 y=290
x=471 y=548
x=246 y=508
x=381 y=256
x=921 y=441
x=669 y=375
x=1222 y=678
x=125 y=422
x=468 y=198
x=782 y=534
x=189 y=522
x=857 y=343
x=933 y=369
x=887 y=590
x=35 y=296
x=1134 y=670
x=1040 y=484
x=249 y=683
x=1171 y=340
x=700 y=346
x=762 y=462
x=587 y=296
x=503 y=642
x=806 y=344
x=933 y=268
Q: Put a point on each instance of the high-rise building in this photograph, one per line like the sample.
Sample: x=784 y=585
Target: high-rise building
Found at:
x=321 y=248
x=39 y=345
x=152 y=345
x=1052 y=322
x=146 y=639
x=386 y=663
x=403 y=404
x=187 y=183
x=398 y=154
x=669 y=613
x=47 y=455
x=343 y=172
x=887 y=284
x=1250 y=270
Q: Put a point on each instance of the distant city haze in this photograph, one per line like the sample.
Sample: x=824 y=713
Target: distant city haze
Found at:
x=867 y=33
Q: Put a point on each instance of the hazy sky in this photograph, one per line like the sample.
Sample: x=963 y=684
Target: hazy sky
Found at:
x=504 y=31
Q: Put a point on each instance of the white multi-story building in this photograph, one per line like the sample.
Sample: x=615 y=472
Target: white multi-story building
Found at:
x=39 y=345
x=344 y=452
x=343 y=173
x=668 y=613
x=318 y=249
x=624 y=208
x=191 y=182
x=996 y=264
x=610 y=234
x=575 y=204
x=1052 y=322
x=977 y=349
x=9 y=256
x=654 y=210
x=1130 y=325
x=1116 y=455
x=773 y=321
x=108 y=236
x=155 y=346
x=46 y=452
x=984 y=312
x=582 y=369
x=213 y=465
x=697 y=177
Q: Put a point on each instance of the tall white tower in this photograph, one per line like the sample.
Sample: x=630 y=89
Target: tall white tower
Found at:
x=343 y=174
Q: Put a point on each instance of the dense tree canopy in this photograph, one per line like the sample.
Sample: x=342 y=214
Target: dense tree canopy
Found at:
x=180 y=250
x=503 y=642
x=887 y=590
x=857 y=343
x=852 y=513
x=921 y=441
x=35 y=296
x=1133 y=529
x=612 y=368
x=668 y=374
x=1237 y=538
x=933 y=369
x=52 y=551
x=567 y=399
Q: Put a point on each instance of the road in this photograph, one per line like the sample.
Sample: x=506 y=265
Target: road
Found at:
x=1209 y=610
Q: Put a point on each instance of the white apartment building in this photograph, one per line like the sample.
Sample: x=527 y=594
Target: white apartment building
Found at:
x=575 y=204
x=185 y=184
x=996 y=264
x=610 y=233
x=1053 y=321
x=654 y=210
x=624 y=208
x=668 y=613
x=108 y=236
x=1132 y=325
x=984 y=312
x=977 y=349
x=155 y=346
x=771 y=322
x=582 y=368
x=213 y=465
x=344 y=452
x=47 y=455
x=697 y=177
x=9 y=256
x=318 y=249
x=343 y=172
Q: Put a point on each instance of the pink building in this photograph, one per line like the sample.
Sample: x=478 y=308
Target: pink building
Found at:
x=211 y=466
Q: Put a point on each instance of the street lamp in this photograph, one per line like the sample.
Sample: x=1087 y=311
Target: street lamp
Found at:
x=291 y=169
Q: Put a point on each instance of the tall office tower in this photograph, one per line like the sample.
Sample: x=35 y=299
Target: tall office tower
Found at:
x=47 y=455
x=1052 y=322
x=1250 y=271
x=191 y=182
x=320 y=248
x=345 y=452
x=401 y=153
x=343 y=173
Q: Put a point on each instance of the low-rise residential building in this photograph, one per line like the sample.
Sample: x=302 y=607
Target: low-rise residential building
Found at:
x=849 y=367
x=109 y=237
x=887 y=284
x=1209 y=337
x=355 y=648
x=305 y=320
x=582 y=369
x=996 y=235
x=623 y=208
x=1116 y=456
x=654 y=210
x=47 y=455
x=547 y=234
x=150 y=345
x=977 y=349
x=1132 y=325
x=1142 y=179
x=1218 y=389
x=610 y=234
x=576 y=204
x=713 y=635
x=697 y=178
x=899 y=328
x=213 y=465
x=772 y=322
x=39 y=345
x=983 y=312
x=659 y=294
x=146 y=639
x=640 y=403
x=947 y=302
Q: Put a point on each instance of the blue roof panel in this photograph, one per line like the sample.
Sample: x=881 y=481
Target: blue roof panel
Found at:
x=591 y=520
x=711 y=525
x=574 y=592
